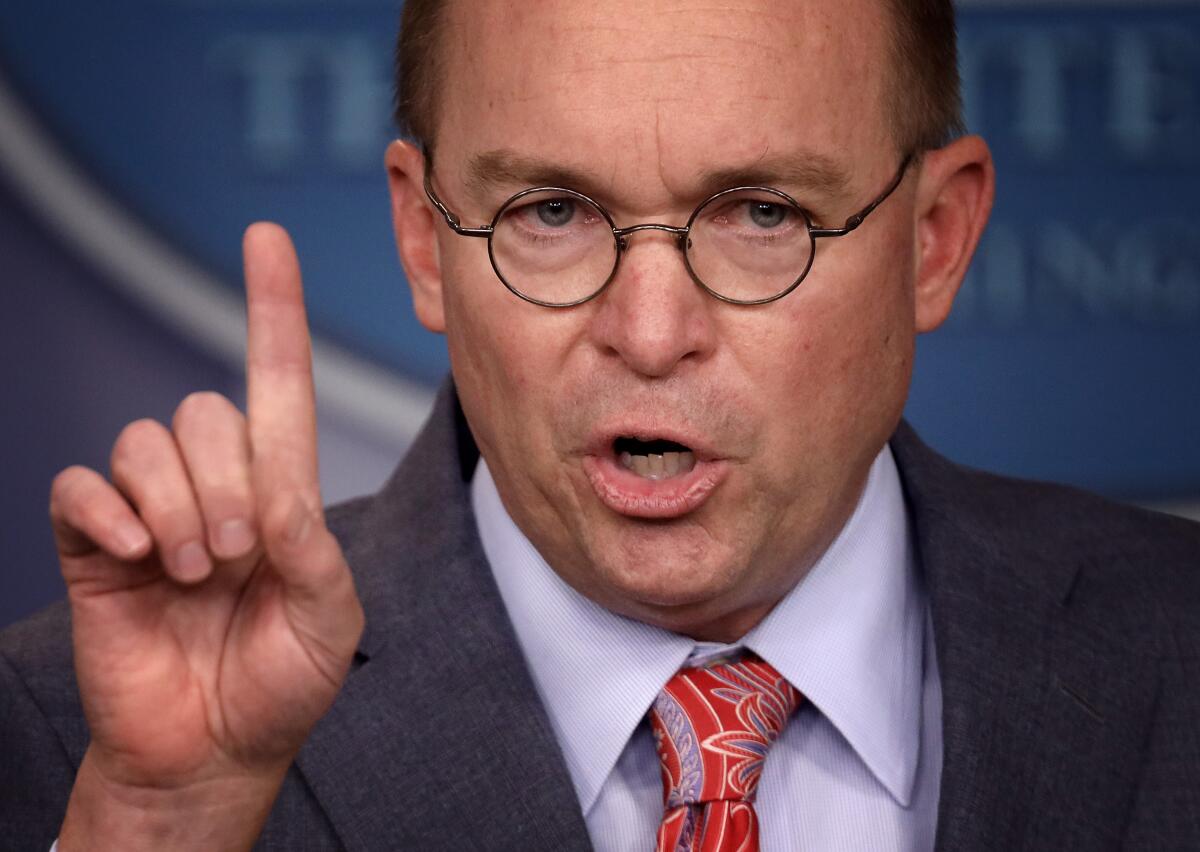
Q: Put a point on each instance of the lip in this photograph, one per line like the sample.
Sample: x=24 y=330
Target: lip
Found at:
x=626 y=493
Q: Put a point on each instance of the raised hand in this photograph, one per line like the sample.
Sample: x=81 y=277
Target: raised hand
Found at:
x=214 y=617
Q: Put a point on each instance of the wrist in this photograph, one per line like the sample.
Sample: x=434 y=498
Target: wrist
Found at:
x=218 y=813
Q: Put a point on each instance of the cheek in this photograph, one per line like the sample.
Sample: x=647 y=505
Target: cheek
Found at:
x=506 y=356
x=836 y=365
x=483 y=347
x=868 y=319
x=483 y=322
x=870 y=344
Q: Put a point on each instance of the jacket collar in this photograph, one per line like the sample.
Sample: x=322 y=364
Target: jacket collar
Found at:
x=437 y=739
x=1044 y=711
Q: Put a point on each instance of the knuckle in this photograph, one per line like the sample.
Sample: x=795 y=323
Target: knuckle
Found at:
x=136 y=441
x=201 y=406
x=136 y=436
x=286 y=514
x=224 y=493
x=275 y=521
x=175 y=524
x=65 y=487
x=223 y=505
x=83 y=509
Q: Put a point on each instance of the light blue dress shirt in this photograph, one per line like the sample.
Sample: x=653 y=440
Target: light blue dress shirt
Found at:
x=858 y=766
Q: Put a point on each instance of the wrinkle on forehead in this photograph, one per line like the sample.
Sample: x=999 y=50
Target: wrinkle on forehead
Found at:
x=567 y=39
x=653 y=95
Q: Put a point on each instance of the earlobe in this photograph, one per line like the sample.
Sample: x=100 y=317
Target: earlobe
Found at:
x=416 y=233
x=954 y=199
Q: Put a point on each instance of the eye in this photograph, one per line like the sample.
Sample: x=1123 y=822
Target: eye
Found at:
x=555 y=212
x=765 y=214
x=752 y=214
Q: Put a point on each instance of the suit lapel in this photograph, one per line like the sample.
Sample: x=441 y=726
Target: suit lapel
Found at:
x=1043 y=714
x=438 y=739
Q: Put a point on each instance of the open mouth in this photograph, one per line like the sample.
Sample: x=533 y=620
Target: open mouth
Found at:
x=647 y=475
x=653 y=459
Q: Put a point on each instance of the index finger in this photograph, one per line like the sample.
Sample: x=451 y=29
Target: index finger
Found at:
x=281 y=402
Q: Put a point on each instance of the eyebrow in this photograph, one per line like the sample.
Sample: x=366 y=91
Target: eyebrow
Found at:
x=810 y=173
x=492 y=170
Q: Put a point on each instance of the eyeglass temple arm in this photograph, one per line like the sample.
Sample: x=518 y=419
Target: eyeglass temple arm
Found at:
x=451 y=218
x=858 y=218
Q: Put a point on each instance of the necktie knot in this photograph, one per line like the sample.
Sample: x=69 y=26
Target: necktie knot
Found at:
x=712 y=728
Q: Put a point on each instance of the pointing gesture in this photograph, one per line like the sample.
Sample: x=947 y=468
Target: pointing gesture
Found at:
x=213 y=615
x=282 y=408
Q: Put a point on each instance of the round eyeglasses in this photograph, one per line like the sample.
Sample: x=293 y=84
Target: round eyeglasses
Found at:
x=747 y=245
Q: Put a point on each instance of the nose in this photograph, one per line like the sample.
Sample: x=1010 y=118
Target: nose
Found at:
x=652 y=315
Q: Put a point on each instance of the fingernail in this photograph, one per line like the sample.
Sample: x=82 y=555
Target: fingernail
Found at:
x=234 y=537
x=298 y=523
x=131 y=538
x=192 y=562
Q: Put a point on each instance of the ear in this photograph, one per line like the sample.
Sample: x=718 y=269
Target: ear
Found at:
x=416 y=232
x=954 y=198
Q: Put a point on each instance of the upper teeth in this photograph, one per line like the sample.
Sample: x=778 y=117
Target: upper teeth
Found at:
x=658 y=466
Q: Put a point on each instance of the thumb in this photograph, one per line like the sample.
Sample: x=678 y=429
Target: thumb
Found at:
x=321 y=602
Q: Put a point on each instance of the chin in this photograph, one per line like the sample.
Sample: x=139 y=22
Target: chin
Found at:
x=645 y=579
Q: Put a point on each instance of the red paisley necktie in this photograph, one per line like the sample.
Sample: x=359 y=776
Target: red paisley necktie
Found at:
x=712 y=728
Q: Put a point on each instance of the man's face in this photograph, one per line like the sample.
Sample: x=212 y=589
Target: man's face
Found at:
x=783 y=406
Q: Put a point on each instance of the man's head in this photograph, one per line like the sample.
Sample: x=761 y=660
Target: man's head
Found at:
x=650 y=109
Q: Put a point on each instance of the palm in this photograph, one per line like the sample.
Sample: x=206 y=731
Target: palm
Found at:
x=226 y=676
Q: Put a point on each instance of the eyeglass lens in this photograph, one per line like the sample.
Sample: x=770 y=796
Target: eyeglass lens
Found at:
x=557 y=248
x=552 y=247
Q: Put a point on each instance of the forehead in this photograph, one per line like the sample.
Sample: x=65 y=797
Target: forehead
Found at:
x=652 y=91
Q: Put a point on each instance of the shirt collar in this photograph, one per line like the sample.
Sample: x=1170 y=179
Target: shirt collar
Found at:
x=849 y=637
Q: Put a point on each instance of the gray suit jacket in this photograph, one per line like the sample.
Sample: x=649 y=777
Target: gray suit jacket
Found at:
x=1067 y=632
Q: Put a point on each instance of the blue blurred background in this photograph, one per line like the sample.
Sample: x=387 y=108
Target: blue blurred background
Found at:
x=139 y=137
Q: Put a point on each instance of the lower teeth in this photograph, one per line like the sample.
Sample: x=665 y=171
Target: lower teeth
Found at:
x=658 y=465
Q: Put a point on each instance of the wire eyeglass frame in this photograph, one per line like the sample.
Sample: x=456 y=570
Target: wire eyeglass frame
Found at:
x=621 y=235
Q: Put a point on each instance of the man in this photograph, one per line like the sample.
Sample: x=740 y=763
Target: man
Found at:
x=662 y=448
